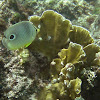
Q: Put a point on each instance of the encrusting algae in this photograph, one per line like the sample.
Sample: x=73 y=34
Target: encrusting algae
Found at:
x=70 y=49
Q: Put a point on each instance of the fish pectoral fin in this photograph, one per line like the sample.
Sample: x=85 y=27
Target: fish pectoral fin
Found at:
x=27 y=45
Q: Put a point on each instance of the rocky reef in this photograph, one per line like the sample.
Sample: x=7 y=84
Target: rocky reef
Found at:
x=64 y=60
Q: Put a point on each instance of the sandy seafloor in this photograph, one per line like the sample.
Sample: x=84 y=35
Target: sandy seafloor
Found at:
x=24 y=81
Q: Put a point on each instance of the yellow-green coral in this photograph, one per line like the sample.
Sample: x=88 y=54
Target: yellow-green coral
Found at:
x=65 y=71
x=64 y=84
x=65 y=78
x=53 y=34
x=80 y=35
x=73 y=54
x=62 y=88
x=75 y=87
x=91 y=51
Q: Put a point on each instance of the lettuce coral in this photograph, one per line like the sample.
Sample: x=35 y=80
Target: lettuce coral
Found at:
x=75 y=48
x=91 y=51
x=80 y=35
x=72 y=54
x=64 y=85
x=65 y=75
x=53 y=34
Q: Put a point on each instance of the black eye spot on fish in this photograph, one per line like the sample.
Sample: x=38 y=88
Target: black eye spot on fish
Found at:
x=12 y=37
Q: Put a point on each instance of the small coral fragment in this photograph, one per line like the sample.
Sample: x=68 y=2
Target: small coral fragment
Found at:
x=67 y=72
x=75 y=87
x=56 y=67
x=24 y=55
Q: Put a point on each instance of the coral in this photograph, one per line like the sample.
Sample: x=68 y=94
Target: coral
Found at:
x=64 y=85
x=65 y=71
x=91 y=50
x=54 y=31
x=74 y=60
x=53 y=34
x=65 y=75
x=80 y=35
x=61 y=90
x=75 y=87
x=73 y=54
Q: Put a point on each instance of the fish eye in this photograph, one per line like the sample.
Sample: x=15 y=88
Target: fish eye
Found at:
x=12 y=36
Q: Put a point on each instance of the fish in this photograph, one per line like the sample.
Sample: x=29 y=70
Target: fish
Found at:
x=19 y=35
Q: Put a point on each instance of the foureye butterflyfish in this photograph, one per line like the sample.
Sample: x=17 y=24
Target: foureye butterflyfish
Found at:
x=19 y=35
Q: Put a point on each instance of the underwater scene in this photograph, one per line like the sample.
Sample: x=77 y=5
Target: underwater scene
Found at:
x=49 y=49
